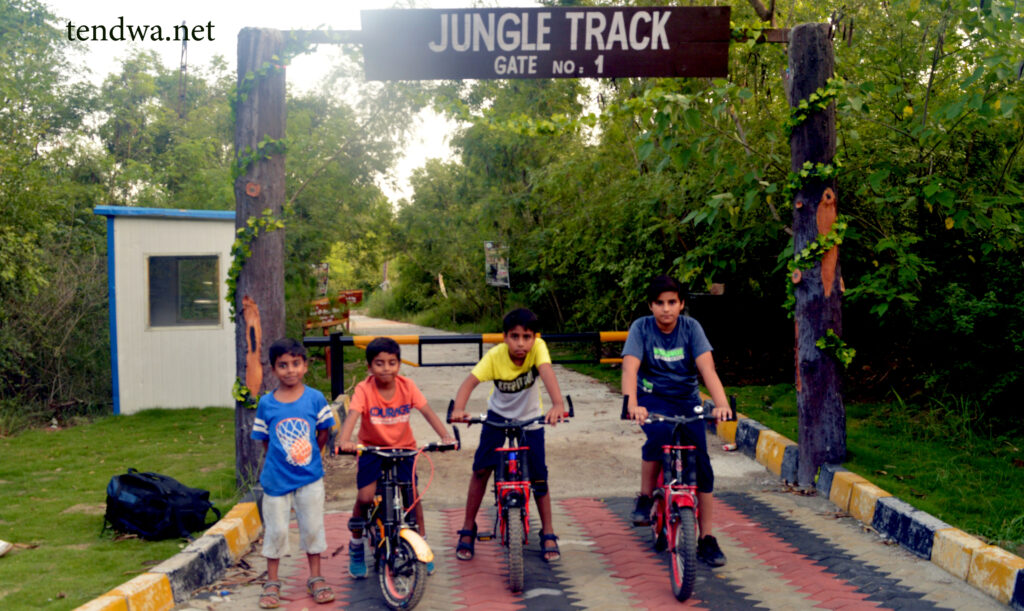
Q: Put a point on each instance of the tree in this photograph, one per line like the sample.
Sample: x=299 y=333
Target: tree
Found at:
x=50 y=243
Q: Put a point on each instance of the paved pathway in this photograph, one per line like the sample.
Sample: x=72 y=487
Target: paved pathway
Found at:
x=785 y=550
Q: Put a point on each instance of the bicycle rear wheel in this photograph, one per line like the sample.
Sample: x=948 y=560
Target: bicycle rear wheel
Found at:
x=659 y=522
x=402 y=577
x=684 y=554
x=514 y=550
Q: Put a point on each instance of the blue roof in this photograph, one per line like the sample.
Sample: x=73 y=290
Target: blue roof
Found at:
x=112 y=211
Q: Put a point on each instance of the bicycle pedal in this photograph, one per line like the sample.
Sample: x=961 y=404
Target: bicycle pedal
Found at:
x=484 y=537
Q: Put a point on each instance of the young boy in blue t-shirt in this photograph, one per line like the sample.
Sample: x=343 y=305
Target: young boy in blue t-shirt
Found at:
x=662 y=356
x=293 y=422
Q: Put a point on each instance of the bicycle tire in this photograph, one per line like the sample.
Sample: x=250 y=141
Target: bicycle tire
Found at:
x=402 y=577
x=684 y=554
x=514 y=551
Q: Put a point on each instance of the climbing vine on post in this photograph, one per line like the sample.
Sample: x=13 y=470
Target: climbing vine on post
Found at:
x=241 y=249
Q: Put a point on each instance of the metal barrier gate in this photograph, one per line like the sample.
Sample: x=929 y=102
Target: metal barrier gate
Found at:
x=336 y=343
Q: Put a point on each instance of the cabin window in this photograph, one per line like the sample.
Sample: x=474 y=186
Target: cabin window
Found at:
x=183 y=291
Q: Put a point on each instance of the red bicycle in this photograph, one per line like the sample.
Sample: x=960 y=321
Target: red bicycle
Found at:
x=511 y=491
x=675 y=508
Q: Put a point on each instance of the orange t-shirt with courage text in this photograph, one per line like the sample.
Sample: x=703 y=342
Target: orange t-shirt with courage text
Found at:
x=386 y=422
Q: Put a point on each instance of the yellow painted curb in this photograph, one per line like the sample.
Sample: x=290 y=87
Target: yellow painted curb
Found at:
x=771 y=447
x=105 y=603
x=233 y=531
x=863 y=499
x=147 y=592
x=952 y=550
x=249 y=514
x=842 y=487
x=727 y=430
x=994 y=571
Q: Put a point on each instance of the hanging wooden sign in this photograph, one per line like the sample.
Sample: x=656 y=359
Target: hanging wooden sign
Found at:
x=563 y=42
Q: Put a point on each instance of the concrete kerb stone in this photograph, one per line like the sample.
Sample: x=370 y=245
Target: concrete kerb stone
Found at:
x=771 y=447
x=148 y=591
x=790 y=463
x=996 y=572
x=748 y=431
x=825 y=476
x=864 y=498
x=199 y=564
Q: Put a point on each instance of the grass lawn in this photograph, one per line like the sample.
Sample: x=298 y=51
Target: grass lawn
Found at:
x=938 y=456
x=53 y=495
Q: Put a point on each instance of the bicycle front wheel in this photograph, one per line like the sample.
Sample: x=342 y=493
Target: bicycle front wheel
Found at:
x=514 y=550
x=684 y=554
x=402 y=577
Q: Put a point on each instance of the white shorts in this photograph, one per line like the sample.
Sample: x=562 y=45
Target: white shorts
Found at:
x=308 y=502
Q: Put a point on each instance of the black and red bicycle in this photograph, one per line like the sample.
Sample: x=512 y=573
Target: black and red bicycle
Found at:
x=675 y=508
x=511 y=490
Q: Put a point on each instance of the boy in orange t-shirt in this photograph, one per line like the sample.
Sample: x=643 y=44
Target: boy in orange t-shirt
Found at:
x=384 y=402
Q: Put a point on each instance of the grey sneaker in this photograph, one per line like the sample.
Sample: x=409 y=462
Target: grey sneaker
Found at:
x=709 y=552
x=641 y=515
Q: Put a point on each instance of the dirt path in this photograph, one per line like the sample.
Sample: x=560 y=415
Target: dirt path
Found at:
x=594 y=455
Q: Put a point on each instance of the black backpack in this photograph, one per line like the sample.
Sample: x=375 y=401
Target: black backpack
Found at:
x=155 y=506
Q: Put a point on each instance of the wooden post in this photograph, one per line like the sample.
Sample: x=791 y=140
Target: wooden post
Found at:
x=260 y=115
x=822 y=426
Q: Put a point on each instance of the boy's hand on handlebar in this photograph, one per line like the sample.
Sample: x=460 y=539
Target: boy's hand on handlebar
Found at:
x=448 y=440
x=348 y=446
x=722 y=413
x=555 y=415
x=458 y=416
x=638 y=413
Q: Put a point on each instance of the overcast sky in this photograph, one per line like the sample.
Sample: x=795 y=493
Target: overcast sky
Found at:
x=224 y=20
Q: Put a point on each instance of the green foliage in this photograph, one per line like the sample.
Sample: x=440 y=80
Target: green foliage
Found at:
x=55 y=483
x=595 y=190
x=53 y=353
x=834 y=346
x=241 y=249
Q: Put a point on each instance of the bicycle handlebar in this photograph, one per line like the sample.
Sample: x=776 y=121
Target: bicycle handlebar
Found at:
x=700 y=413
x=482 y=419
x=405 y=452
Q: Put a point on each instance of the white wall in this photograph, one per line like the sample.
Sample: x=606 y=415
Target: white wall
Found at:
x=170 y=367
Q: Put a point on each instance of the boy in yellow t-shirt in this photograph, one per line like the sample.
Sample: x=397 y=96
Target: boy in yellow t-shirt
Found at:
x=514 y=366
x=384 y=401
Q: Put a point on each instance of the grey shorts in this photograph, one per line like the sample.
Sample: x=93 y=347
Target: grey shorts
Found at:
x=308 y=502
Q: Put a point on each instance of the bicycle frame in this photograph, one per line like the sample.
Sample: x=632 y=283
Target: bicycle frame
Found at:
x=675 y=509
x=400 y=553
x=388 y=521
x=512 y=484
x=511 y=489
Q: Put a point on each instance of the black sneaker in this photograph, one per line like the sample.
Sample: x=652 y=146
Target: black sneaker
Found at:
x=641 y=515
x=709 y=552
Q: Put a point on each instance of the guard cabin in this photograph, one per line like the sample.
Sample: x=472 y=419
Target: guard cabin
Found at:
x=172 y=342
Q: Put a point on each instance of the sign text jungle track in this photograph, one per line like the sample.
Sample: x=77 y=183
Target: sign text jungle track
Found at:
x=577 y=42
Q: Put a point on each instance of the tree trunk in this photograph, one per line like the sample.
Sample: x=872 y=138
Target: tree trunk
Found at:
x=818 y=289
x=260 y=320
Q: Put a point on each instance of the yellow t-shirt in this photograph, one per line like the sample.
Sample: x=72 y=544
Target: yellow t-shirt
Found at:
x=516 y=392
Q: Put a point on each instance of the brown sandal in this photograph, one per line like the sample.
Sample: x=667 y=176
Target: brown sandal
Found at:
x=271 y=599
x=321 y=594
